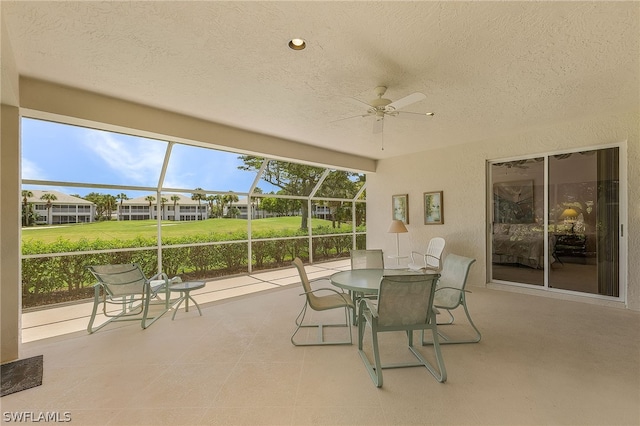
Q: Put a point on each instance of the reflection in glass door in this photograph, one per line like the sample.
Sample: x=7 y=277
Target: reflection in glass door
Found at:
x=518 y=221
x=584 y=222
x=582 y=216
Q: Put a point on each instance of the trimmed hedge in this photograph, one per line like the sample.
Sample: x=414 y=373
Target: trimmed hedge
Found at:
x=55 y=278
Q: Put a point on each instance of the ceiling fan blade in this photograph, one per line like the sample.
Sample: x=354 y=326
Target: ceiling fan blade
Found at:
x=418 y=116
x=378 y=125
x=353 y=116
x=407 y=100
x=359 y=103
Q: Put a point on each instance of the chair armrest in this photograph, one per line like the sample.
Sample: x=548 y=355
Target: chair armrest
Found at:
x=369 y=305
x=159 y=276
x=414 y=265
x=321 y=289
x=416 y=253
x=96 y=288
x=453 y=288
x=154 y=288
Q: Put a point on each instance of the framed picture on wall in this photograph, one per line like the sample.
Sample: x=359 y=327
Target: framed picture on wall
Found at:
x=433 y=208
x=400 y=208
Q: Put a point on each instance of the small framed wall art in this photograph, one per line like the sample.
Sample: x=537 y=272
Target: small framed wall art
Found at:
x=433 y=208
x=400 y=208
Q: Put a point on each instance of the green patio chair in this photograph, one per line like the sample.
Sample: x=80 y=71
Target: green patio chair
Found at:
x=334 y=300
x=367 y=259
x=364 y=259
x=405 y=303
x=125 y=294
x=451 y=293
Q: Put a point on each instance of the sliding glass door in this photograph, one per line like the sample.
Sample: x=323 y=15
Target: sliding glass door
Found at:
x=555 y=222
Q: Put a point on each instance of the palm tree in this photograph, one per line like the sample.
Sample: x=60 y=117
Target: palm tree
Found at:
x=109 y=201
x=230 y=198
x=198 y=196
x=175 y=198
x=162 y=203
x=121 y=196
x=49 y=197
x=257 y=201
x=210 y=200
x=150 y=199
x=218 y=199
x=26 y=194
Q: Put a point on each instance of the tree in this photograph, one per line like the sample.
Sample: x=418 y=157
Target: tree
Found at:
x=230 y=199
x=219 y=205
x=150 y=199
x=257 y=201
x=175 y=198
x=210 y=201
x=105 y=204
x=109 y=203
x=279 y=206
x=293 y=179
x=49 y=197
x=26 y=194
x=199 y=196
x=338 y=184
x=121 y=196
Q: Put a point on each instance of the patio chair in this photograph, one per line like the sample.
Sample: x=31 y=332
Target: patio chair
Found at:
x=334 y=300
x=451 y=293
x=367 y=259
x=431 y=259
x=405 y=303
x=125 y=294
x=364 y=259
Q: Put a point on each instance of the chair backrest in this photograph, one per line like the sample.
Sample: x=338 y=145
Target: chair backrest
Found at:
x=434 y=253
x=406 y=300
x=120 y=280
x=453 y=275
x=306 y=285
x=367 y=259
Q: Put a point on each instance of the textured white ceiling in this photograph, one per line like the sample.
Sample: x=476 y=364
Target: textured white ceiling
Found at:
x=487 y=68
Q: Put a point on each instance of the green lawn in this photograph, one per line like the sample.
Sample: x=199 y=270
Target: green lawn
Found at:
x=128 y=230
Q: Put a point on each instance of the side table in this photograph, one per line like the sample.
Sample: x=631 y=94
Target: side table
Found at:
x=185 y=289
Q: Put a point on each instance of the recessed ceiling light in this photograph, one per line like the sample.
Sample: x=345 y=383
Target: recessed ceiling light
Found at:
x=297 y=44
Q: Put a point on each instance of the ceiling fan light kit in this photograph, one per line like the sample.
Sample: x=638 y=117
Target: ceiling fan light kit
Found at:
x=380 y=107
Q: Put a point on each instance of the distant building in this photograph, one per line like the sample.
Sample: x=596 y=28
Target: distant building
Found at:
x=64 y=209
x=317 y=210
x=183 y=209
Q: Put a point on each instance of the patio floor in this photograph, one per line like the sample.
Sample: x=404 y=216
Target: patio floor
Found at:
x=541 y=361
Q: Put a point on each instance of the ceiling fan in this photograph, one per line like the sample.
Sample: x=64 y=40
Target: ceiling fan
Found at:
x=380 y=108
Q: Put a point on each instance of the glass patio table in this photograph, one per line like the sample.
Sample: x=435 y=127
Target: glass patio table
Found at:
x=366 y=282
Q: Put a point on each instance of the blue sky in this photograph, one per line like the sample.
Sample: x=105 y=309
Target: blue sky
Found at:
x=58 y=152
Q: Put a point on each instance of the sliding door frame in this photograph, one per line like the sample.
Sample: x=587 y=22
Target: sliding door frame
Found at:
x=622 y=231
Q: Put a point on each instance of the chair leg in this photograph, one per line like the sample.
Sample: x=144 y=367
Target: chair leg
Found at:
x=375 y=371
x=321 y=342
x=478 y=335
x=96 y=302
x=451 y=318
x=446 y=340
x=145 y=303
x=441 y=373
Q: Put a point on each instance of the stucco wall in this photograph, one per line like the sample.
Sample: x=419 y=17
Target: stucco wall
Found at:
x=460 y=171
x=9 y=204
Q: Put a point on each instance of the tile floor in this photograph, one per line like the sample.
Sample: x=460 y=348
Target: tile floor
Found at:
x=541 y=361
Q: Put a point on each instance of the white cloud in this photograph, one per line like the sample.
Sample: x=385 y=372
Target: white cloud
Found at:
x=138 y=160
x=31 y=171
